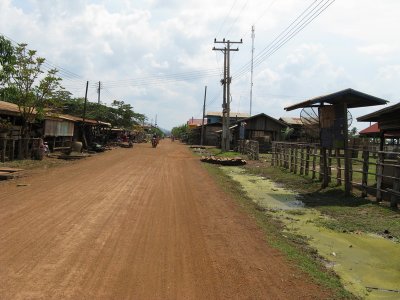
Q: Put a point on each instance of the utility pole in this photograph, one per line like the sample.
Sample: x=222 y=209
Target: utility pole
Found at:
x=225 y=143
x=202 y=120
x=155 y=123
x=252 y=60
x=84 y=105
x=84 y=117
x=98 y=96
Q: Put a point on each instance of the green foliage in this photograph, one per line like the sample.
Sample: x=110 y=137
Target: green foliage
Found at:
x=7 y=60
x=124 y=116
x=30 y=87
x=180 y=132
x=120 y=115
x=287 y=133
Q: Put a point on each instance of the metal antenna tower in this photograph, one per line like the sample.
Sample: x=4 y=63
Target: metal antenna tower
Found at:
x=252 y=59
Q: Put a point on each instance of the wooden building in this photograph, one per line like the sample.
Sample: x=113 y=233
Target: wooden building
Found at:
x=261 y=128
x=212 y=137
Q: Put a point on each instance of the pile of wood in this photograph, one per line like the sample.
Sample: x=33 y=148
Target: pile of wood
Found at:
x=9 y=173
x=236 y=161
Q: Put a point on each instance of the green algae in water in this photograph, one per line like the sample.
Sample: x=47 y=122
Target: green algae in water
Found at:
x=361 y=260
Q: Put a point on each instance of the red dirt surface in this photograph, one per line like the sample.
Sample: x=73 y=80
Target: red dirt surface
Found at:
x=137 y=223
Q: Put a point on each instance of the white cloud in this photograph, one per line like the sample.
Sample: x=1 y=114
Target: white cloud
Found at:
x=113 y=41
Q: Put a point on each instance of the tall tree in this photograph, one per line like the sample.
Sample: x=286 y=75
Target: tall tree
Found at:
x=7 y=60
x=34 y=89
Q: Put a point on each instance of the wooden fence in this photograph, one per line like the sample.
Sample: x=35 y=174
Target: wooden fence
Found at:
x=375 y=173
x=249 y=148
x=11 y=149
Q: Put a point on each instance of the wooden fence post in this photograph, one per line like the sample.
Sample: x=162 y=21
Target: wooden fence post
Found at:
x=307 y=160
x=273 y=156
x=301 y=160
x=321 y=165
x=364 y=182
x=324 y=168
x=396 y=185
x=314 y=161
x=329 y=164
x=338 y=166
x=350 y=171
x=295 y=159
x=379 y=174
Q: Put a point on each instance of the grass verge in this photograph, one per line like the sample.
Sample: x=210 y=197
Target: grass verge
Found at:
x=293 y=246
x=350 y=214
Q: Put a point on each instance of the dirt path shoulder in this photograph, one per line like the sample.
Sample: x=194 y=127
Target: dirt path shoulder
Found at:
x=137 y=223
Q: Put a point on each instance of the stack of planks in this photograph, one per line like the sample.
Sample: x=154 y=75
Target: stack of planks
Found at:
x=9 y=173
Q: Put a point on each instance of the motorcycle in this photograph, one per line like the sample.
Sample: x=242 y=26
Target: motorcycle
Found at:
x=154 y=142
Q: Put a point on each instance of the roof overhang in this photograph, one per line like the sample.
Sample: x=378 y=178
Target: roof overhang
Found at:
x=379 y=115
x=350 y=97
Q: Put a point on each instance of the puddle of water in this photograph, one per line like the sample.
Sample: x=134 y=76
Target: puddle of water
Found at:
x=361 y=260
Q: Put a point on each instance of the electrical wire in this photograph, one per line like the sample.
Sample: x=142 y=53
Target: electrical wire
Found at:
x=306 y=17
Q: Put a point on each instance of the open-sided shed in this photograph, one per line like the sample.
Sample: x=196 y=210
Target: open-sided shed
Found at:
x=388 y=122
x=333 y=126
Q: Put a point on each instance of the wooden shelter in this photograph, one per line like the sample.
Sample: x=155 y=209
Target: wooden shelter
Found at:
x=333 y=124
x=388 y=122
x=212 y=136
x=261 y=128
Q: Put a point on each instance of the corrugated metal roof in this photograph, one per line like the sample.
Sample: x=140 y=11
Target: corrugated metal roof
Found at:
x=266 y=116
x=232 y=114
x=371 y=129
x=352 y=97
x=291 y=120
x=375 y=116
x=7 y=107
x=196 y=122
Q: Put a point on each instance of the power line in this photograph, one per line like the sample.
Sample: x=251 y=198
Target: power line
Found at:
x=305 y=18
x=226 y=17
x=240 y=12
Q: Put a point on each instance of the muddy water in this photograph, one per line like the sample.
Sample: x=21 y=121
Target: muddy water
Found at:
x=368 y=265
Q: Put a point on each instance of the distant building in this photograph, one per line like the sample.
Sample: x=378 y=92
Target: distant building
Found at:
x=193 y=123
x=216 y=117
x=261 y=127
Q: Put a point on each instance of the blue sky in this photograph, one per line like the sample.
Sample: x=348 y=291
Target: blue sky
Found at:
x=156 y=55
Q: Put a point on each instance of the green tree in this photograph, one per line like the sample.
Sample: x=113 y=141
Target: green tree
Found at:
x=120 y=115
x=180 y=132
x=124 y=116
x=7 y=59
x=353 y=132
x=34 y=91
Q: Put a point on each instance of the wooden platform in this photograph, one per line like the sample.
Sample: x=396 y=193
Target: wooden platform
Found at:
x=9 y=173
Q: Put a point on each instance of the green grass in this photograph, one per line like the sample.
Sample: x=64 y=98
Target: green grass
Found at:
x=292 y=245
x=218 y=152
x=351 y=213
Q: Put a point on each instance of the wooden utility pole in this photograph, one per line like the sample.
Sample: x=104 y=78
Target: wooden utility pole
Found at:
x=225 y=142
x=202 y=120
x=84 y=105
x=84 y=141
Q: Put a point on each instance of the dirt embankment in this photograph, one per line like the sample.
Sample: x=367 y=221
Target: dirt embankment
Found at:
x=137 y=223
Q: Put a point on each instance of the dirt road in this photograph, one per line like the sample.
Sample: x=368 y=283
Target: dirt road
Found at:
x=137 y=223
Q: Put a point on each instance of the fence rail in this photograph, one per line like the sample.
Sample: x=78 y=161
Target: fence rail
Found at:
x=375 y=173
